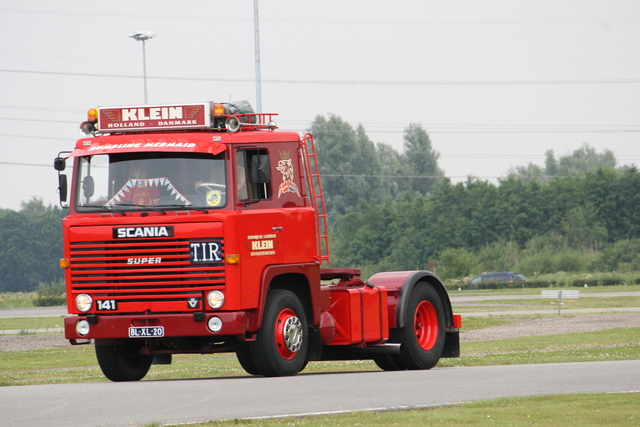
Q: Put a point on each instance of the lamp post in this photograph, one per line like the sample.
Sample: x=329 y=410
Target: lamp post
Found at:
x=256 y=40
x=143 y=36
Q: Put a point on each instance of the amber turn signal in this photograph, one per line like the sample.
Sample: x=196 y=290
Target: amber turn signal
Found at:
x=232 y=258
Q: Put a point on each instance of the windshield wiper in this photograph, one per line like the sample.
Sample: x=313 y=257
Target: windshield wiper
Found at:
x=104 y=208
x=145 y=207
x=186 y=207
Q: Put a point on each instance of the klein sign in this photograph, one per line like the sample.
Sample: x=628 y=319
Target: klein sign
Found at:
x=154 y=117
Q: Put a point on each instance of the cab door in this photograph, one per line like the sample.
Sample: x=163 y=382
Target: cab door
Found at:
x=275 y=224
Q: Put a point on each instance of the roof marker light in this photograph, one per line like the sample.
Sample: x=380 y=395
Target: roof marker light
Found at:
x=218 y=110
x=88 y=128
x=92 y=115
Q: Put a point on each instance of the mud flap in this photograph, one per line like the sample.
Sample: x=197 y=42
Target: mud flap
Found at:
x=314 y=351
x=451 y=344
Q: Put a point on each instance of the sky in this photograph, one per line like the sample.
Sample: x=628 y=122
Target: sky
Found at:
x=495 y=83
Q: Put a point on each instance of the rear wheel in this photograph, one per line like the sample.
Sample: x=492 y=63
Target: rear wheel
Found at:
x=422 y=337
x=281 y=344
x=123 y=361
x=388 y=362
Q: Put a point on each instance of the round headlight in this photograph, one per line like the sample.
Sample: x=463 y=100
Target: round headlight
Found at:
x=83 y=302
x=215 y=324
x=82 y=327
x=215 y=299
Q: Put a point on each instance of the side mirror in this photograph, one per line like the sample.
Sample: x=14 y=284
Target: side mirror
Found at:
x=62 y=187
x=88 y=186
x=260 y=169
x=59 y=164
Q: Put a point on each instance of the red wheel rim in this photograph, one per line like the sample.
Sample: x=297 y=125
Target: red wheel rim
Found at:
x=425 y=325
x=288 y=334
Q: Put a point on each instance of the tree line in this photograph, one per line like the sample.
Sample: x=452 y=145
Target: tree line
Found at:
x=569 y=224
x=353 y=167
x=30 y=246
x=577 y=213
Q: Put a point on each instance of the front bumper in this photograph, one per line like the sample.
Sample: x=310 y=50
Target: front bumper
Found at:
x=175 y=325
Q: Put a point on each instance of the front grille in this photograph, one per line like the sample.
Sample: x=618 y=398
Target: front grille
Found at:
x=143 y=269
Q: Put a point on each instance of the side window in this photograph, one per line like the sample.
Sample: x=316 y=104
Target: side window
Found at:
x=253 y=181
x=93 y=185
x=241 y=176
x=491 y=278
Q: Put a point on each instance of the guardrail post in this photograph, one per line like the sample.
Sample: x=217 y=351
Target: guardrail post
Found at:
x=559 y=302
x=559 y=294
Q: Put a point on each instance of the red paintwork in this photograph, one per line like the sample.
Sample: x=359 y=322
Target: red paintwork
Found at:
x=281 y=242
x=359 y=314
x=457 y=321
x=425 y=325
x=284 y=317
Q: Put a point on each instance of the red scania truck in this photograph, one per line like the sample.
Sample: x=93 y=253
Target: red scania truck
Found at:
x=201 y=228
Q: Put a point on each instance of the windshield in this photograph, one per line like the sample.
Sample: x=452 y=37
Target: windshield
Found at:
x=150 y=181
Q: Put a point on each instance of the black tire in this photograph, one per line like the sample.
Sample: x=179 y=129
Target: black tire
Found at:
x=388 y=362
x=247 y=363
x=422 y=337
x=280 y=348
x=123 y=361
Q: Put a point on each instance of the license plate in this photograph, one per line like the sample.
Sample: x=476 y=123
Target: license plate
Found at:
x=146 y=331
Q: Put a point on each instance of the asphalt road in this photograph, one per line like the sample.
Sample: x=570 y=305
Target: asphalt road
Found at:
x=33 y=312
x=185 y=401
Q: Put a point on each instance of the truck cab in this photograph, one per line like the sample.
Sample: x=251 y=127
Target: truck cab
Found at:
x=193 y=226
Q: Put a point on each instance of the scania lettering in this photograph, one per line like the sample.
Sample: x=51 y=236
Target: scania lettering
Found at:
x=201 y=228
x=135 y=232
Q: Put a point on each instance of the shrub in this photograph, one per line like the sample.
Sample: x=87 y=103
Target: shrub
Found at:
x=50 y=294
x=560 y=280
x=623 y=255
x=538 y=263
x=49 y=301
x=457 y=262
x=571 y=260
x=500 y=256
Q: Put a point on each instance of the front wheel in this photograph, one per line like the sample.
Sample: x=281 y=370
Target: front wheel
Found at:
x=247 y=363
x=422 y=337
x=281 y=344
x=123 y=361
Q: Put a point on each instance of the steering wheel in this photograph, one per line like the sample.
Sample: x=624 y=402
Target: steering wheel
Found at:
x=205 y=187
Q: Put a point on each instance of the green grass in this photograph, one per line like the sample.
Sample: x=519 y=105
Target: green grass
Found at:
x=31 y=323
x=610 y=344
x=547 y=304
x=602 y=409
x=16 y=299
x=536 y=291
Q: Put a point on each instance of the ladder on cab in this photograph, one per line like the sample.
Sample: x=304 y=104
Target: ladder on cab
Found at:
x=317 y=197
